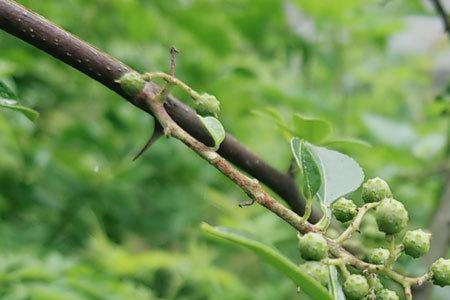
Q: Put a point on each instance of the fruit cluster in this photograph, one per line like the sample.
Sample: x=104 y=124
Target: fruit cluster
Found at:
x=391 y=219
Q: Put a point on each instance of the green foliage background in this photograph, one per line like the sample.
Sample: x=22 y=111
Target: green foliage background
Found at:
x=79 y=220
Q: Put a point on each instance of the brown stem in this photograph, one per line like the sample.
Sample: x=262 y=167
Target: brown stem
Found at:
x=39 y=32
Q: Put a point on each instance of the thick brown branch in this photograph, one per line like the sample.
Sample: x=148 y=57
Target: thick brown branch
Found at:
x=35 y=30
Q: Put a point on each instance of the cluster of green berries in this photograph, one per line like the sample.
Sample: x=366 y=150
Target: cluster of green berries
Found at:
x=391 y=218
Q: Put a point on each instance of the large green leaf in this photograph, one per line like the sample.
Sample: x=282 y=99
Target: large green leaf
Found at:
x=8 y=99
x=314 y=130
x=309 y=285
x=340 y=174
x=215 y=129
x=310 y=172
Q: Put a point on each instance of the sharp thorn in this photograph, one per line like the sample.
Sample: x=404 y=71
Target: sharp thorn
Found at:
x=157 y=133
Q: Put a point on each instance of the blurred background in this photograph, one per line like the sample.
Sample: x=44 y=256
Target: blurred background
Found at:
x=80 y=220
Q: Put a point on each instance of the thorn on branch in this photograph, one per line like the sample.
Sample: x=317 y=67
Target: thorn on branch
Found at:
x=157 y=133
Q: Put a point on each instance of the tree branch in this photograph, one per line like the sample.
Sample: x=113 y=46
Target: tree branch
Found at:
x=254 y=190
x=440 y=10
x=37 y=31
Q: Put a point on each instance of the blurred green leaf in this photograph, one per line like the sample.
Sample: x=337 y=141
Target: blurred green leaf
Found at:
x=313 y=130
x=8 y=99
x=31 y=114
x=309 y=285
x=347 y=143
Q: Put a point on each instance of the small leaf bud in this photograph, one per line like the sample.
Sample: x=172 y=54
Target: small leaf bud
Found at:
x=207 y=104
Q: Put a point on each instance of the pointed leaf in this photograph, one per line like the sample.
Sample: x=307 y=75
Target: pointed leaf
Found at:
x=12 y=104
x=215 y=129
x=340 y=174
x=313 y=130
x=271 y=256
x=310 y=172
x=8 y=99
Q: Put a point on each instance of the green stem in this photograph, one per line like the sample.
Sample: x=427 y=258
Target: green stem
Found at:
x=354 y=226
x=173 y=80
x=308 y=208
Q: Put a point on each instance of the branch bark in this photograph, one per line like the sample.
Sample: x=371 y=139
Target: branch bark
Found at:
x=39 y=32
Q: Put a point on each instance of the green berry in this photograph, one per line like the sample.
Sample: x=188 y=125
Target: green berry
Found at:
x=378 y=256
x=313 y=246
x=378 y=286
x=316 y=270
x=391 y=216
x=441 y=272
x=416 y=242
x=356 y=287
x=386 y=294
x=375 y=190
x=207 y=104
x=344 y=210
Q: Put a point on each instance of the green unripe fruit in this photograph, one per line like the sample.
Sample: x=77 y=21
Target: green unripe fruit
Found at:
x=441 y=272
x=207 y=104
x=378 y=256
x=313 y=246
x=356 y=287
x=375 y=190
x=378 y=286
x=416 y=242
x=386 y=294
x=391 y=216
x=316 y=270
x=344 y=210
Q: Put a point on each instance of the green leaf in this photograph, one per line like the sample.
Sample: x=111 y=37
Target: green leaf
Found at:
x=309 y=285
x=335 y=286
x=6 y=92
x=215 y=129
x=314 y=130
x=340 y=174
x=8 y=99
x=347 y=143
x=310 y=172
x=12 y=104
